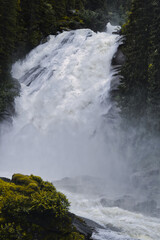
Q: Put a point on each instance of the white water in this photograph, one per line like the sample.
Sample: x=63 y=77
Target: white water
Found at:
x=59 y=127
x=57 y=131
x=119 y=224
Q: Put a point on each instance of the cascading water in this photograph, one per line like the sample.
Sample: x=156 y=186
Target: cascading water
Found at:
x=64 y=83
x=59 y=127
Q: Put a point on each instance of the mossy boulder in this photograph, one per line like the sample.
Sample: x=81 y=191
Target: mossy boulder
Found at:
x=31 y=208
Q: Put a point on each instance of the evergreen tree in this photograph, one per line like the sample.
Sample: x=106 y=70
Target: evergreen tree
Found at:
x=139 y=30
x=154 y=65
x=8 y=20
x=140 y=84
x=8 y=13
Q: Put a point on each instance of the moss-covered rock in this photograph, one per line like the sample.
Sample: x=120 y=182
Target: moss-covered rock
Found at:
x=31 y=208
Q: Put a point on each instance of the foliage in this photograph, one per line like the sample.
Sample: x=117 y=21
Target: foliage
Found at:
x=31 y=208
x=140 y=88
x=94 y=20
x=153 y=90
x=8 y=15
x=118 y=10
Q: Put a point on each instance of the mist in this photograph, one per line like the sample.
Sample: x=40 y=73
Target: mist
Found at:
x=58 y=130
x=67 y=126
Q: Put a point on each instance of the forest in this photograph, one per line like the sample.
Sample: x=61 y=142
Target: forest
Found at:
x=139 y=91
x=31 y=208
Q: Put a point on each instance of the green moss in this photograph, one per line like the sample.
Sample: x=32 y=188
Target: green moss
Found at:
x=32 y=208
x=21 y=179
x=37 y=179
x=33 y=186
x=74 y=236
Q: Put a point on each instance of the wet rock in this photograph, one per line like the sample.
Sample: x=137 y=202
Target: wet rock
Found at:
x=93 y=185
x=147 y=183
x=93 y=225
x=147 y=207
x=118 y=58
x=126 y=202
x=106 y=202
x=113 y=228
x=83 y=226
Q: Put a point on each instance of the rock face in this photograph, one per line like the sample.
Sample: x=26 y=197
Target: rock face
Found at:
x=118 y=58
x=146 y=207
x=117 y=61
x=82 y=225
x=126 y=202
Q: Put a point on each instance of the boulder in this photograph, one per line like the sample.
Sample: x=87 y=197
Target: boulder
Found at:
x=84 y=226
x=118 y=58
x=126 y=202
x=147 y=207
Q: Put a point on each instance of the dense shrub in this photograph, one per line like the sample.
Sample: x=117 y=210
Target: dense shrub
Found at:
x=31 y=208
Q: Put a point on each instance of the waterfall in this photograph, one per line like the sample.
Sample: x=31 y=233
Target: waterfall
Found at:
x=64 y=86
x=61 y=130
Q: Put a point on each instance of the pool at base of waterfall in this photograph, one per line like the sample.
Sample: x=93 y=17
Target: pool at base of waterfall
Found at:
x=87 y=195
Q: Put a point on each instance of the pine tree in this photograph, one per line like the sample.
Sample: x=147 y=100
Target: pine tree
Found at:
x=8 y=14
x=134 y=83
x=140 y=83
x=154 y=66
